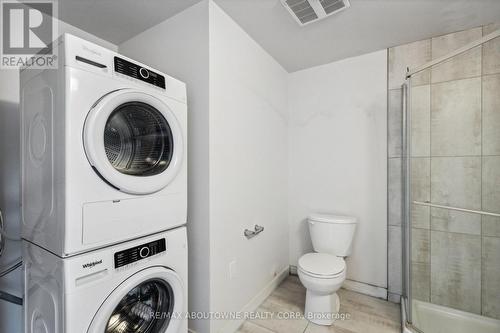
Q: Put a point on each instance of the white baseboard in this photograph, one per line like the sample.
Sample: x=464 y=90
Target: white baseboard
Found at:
x=233 y=325
x=365 y=288
x=357 y=286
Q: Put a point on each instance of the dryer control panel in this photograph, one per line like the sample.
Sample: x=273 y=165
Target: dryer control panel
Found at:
x=135 y=71
x=137 y=253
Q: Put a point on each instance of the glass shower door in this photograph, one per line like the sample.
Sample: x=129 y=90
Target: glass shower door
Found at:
x=452 y=193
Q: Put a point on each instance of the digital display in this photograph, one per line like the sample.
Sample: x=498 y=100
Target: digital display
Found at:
x=135 y=71
x=137 y=253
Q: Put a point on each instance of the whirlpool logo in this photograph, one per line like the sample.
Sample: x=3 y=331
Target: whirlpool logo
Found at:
x=92 y=264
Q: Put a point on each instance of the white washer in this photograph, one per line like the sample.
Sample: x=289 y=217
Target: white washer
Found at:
x=104 y=143
x=120 y=289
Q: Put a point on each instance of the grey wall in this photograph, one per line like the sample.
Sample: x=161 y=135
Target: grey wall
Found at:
x=455 y=161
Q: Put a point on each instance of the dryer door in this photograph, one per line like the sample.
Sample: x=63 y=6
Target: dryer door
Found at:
x=133 y=141
x=150 y=301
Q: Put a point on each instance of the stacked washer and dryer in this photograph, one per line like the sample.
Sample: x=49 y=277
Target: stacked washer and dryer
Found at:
x=104 y=195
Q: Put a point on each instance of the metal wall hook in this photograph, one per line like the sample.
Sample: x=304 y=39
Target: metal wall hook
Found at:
x=252 y=233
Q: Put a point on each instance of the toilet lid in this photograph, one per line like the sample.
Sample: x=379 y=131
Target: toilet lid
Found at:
x=321 y=264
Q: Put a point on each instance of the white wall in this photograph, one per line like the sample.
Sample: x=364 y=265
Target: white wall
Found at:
x=337 y=148
x=11 y=315
x=243 y=151
x=179 y=47
x=246 y=158
x=237 y=153
x=248 y=163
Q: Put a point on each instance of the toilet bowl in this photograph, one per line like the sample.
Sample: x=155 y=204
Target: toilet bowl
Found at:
x=323 y=272
x=322 y=275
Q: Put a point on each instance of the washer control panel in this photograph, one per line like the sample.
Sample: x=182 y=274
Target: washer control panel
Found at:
x=137 y=253
x=135 y=71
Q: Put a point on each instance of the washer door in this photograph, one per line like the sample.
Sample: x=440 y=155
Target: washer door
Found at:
x=151 y=301
x=134 y=141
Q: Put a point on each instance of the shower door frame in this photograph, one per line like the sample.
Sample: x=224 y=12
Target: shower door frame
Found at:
x=406 y=207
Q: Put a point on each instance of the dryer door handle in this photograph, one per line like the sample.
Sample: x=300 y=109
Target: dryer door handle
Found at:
x=91 y=277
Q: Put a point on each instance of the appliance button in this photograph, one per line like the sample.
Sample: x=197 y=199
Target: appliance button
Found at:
x=144 y=252
x=144 y=72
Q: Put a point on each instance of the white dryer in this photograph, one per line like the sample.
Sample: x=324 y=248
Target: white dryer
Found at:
x=138 y=286
x=104 y=143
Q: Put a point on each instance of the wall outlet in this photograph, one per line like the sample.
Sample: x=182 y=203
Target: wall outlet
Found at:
x=233 y=270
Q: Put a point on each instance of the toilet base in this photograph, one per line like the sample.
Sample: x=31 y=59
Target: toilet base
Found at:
x=321 y=309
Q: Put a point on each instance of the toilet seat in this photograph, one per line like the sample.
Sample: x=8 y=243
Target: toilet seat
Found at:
x=321 y=265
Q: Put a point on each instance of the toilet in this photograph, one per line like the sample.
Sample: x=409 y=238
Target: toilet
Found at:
x=324 y=271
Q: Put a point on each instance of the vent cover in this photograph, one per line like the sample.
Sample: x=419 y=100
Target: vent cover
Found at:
x=308 y=11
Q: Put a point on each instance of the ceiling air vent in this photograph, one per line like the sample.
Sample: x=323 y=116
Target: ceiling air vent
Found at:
x=308 y=11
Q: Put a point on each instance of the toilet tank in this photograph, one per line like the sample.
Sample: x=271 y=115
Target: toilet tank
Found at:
x=332 y=234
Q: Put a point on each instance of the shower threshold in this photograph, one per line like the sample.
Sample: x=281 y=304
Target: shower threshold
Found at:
x=432 y=318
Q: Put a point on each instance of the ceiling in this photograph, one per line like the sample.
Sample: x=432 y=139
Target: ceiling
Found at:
x=368 y=25
x=119 y=20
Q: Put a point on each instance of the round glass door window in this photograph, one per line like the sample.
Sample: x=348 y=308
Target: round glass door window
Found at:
x=138 y=140
x=144 y=309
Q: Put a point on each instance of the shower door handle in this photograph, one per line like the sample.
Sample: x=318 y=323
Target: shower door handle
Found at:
x=480 y=212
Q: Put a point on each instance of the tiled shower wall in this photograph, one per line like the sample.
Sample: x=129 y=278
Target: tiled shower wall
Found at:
x=455 y=161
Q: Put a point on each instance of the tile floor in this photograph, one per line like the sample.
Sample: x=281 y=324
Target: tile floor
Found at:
x=367 y=314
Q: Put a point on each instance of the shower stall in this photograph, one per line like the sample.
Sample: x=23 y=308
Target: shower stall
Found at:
x=451 y=191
